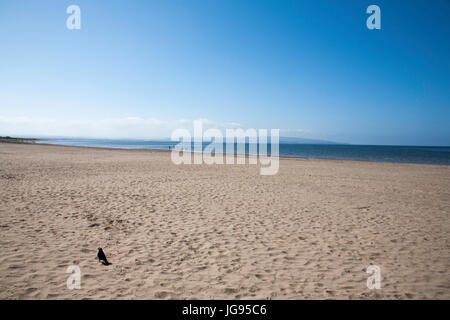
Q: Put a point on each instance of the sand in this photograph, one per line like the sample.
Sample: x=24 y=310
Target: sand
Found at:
x=218 y=232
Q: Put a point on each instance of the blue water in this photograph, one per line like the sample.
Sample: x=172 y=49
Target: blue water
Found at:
x=402 y=154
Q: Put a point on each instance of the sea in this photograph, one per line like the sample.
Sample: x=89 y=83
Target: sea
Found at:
x=378 y=153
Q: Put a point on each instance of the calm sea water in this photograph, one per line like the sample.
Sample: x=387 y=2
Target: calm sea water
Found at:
x=403 y=154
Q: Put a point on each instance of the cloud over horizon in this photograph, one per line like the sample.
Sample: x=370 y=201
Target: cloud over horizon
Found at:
x=125 y=128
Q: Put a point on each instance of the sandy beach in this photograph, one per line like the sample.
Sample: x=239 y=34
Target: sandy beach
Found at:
x=221 y=231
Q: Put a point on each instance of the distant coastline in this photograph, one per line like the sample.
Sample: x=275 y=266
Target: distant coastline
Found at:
x=8 y=139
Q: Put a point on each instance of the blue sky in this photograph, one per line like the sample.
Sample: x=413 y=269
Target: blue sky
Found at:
x=310 y=68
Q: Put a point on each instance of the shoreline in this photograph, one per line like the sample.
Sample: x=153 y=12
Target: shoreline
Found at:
x=280 y=157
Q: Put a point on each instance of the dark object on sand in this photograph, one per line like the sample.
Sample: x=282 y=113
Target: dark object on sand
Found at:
x=101 y=256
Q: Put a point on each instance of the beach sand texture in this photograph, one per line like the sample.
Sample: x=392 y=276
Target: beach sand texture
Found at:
x=218 y=232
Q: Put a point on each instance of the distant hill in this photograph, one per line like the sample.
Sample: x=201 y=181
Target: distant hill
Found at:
x=292 y=140
x=17 y=140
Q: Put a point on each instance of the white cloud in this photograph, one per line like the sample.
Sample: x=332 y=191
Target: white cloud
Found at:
x=130 y=127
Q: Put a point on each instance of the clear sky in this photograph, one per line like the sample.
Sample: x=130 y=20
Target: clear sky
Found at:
x=310 y=68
